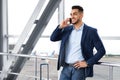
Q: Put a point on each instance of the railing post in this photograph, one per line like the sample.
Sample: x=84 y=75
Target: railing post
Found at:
x=110 y=72
x=35 y=65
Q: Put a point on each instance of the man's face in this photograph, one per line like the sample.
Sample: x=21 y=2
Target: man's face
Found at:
x=76 y=16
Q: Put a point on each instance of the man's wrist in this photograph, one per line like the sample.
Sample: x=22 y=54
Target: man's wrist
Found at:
x=87 y=64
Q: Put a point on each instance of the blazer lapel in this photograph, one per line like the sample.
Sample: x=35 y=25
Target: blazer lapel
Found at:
x=84 y=34
x=68 y=34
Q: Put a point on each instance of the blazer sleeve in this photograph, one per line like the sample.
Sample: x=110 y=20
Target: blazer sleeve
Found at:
x=57 y=34
x=98 y=46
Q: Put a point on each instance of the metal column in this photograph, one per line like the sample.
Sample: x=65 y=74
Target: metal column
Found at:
x=3 y=30
x=61 y=11
x=1 y=36
x=34 y=37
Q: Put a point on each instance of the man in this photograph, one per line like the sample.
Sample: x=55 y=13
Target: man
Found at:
x=77 y=43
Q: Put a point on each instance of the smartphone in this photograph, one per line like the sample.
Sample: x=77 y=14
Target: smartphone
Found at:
x=70 y=21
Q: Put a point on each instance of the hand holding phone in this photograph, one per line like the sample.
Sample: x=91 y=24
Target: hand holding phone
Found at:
x=70 y=20
x=65 y=23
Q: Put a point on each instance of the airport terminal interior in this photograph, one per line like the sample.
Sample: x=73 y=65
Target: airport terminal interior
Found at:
x=26 y=52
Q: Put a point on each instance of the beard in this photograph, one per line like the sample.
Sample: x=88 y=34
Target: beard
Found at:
x=76 y=22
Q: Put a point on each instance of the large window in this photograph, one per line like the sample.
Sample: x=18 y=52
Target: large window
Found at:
x=19 y=13
x=101 y=14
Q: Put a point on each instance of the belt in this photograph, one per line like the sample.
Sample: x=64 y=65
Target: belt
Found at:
x=67 y=64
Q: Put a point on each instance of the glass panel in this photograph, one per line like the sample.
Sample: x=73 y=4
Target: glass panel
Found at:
x=112 y=47
x=44 y=45
x=103 y=14
x=19 y=12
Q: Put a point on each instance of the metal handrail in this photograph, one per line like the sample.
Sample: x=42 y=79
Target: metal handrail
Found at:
x=109 y=64
x=26 y=56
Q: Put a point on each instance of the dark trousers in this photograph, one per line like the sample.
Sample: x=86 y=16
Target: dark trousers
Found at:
x=71 y=73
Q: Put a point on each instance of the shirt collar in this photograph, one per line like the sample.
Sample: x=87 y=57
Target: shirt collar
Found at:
x=80 y=28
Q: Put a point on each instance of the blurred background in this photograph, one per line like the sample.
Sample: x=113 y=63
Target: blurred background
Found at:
x=102 y=14
x=26 y=27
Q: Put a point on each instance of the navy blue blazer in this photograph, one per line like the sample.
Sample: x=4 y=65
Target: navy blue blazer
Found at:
x=90 y=39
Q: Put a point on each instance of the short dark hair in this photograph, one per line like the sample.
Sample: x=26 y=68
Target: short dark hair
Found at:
x=80 y=8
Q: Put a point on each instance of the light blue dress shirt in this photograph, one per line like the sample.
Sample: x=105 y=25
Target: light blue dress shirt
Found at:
x=73 y=46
